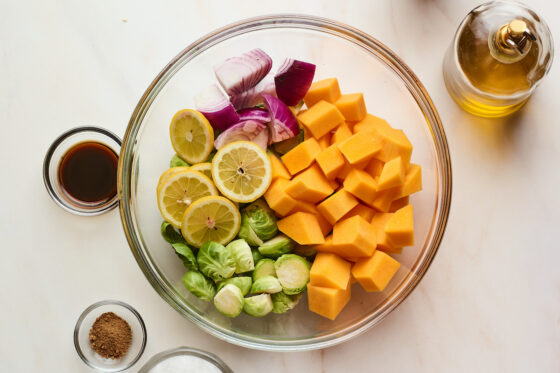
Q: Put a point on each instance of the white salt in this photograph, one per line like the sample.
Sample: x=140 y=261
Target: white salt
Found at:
x=185 y=364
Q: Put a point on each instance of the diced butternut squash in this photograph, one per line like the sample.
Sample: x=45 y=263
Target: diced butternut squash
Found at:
x=310 y=185
x=277 y=198
x=359 y=148
x=325 y=141
x=331 y=271
x=302 y=227
x=352 y=106
x=355 y=237
x=379 y=222
x=362 y=185
x=374 y=167
x=334 y=184
x=392 y=174
x=278 y=168
x=394 y=143
x=383 y=199
x=412 y=181
x=364 y=211
x=327 y=246
x=326 y=89
x=331 y=161
x=337 y=205
x=399 y=203
x=345 y=170
x=321 y=118
x=303 y=206
x=325 y=226
x=400 y=227
x=369 y=124
x=342 y=133
x=374 y=273
x=301 y=156
x=327 y=302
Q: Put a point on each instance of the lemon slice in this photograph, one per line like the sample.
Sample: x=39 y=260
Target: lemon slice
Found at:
x=168 y=173
x=192 y=136
x=241 y=171
x=211 y=219
x=204 y=168
x=179 y=190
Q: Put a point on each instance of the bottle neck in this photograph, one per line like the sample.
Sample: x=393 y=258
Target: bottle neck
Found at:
x=511 y=42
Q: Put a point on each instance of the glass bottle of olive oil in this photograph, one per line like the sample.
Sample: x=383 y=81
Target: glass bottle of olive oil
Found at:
x=500 y=53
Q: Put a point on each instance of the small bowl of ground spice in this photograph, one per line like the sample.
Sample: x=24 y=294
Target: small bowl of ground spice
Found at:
x=110 y=336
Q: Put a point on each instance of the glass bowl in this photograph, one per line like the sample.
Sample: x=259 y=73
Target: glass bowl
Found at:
x=84 y=324
x=194 y=355
x=362 y=64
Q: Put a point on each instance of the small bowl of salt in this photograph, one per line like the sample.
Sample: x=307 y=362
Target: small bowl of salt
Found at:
x=185 y=360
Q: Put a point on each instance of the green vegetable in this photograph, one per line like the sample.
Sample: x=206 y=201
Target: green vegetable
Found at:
x=266 y=284
x=199 y=285
x=264 y=267
x=258 y=305
x=186 y=255
x=256 y=255
x=169 y=233
x=293 y=273
x=215 y=261
x=243 y=283
x=241 y=253
x=176 y=161
x=277 y=246
x=282 y=302
x=285 y=146
x=229 y=300
x=258 y=223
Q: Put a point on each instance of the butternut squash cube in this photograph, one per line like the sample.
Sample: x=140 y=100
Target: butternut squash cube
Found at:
x=337 y=205
x=278 y=168
x=303 y=206
x=379 y=222
x=352 y=106
x=394 y=143
x=334 y=184
x=392 y=175
x=311 y=185
x=277 y=198
x=301 y=156
x=325 y=226
x=412 y=181
x=321 y=118
x=325 y=141
x=383 y=199
x=399 y=203
x=326 y=89
x=355 y=237
x=370 y=123
x=374 y=273
x=362 y=210
x=302 y=227
x=359 y=148
x=342 y=133
x=331 y=161
x=327 y=302
x=327 y=246
x=400 y=227
x=374 y=167
x=362 y=185
x=345 y=170
x=331 y=271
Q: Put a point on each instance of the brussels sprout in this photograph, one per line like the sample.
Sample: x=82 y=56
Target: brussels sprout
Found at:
x=258 y=305
x=293 y=273
x=169 y=233
x=176 y=161
x=199 y=285
x=266 y=284
x=258 y=223
x=264 y=267
x=229 y=300
x=215 y=261
x=186 y=255
x=256 y=255
x=282 y=302
x=241 y=253
x=242 y=282
x=277 y=246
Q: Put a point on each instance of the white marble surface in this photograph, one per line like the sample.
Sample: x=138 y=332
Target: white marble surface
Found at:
x=490 y=301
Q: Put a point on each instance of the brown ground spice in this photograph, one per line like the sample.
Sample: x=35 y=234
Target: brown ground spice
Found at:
x=110 y=336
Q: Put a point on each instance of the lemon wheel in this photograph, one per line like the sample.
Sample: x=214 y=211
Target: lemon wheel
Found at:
x=192 y=136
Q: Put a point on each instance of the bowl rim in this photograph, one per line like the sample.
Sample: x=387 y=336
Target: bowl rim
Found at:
x=416 y=89
x=185 y=351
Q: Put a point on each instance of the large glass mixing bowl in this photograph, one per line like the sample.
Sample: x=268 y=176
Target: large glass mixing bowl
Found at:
x=361 y=64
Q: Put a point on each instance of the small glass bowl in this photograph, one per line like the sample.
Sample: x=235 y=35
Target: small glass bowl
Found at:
x=84 y=324
x=55 y=154
x=185 y=351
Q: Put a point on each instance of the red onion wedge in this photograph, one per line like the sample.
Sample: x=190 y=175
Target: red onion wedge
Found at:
x=215 y=106
x=249 y=130
x=257 y=114
x=283 y=123
x=293 y=80
x=253 y=96
x=241 y=73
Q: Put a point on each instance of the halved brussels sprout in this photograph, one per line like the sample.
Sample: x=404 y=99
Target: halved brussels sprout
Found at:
x=258 y=223
x=243 y=283
x=293 y=273
x=282 y=302
x=215 y=261
x=266 y=284
x=177 y=161
x=229 y=300
x=258 y=305
x=242 y=255
x=256 y=255
x=198 y=285
x=264 y=267
x=169 y=233
x=277 y=246
x=186 y=255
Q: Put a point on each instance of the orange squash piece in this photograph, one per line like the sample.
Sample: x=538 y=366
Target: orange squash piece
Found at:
x=302 y=227
x=326 y=89
x=412 y=181
x=352 y=106
x=383 y=199
x=310 y=185
x=362 y=185
x=362 y=210
x=321 y=118
x=301 y=156
x=327 y=246
x=359 y=148
x=379 y=222
x=342 y=133
x=277 y=198
x=392 y=174
x=374 y=273
x=303 y=206
x=370 y=123
x=374 y=167
x=337 y=205
x=399 y=203
x=325 y=141
x=327 y=302
x=394 y=143
x=355 y=237
x=331 y=161
x=331 y=271
x=278 y=168
x=400 y=227
x=345 y=170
